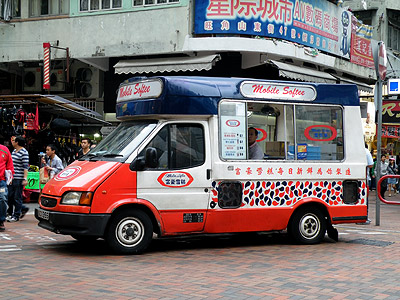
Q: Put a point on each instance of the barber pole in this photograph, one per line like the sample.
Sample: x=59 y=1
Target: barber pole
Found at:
x=46 y=82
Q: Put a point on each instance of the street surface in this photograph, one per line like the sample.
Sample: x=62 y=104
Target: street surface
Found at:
x=364 y=264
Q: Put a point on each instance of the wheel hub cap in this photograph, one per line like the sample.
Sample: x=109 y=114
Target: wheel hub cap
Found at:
x=129 y=232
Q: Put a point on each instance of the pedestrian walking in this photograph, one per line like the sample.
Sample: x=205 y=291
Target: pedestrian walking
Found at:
x=384 y=165
x=392 y=170
x=373 y=180
x=370 y=164
x=20 y=156
x=6 y=164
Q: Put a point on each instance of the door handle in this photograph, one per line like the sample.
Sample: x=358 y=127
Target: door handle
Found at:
x=208 y=174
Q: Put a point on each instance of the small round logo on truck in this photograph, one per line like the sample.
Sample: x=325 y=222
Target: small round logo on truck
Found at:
x=67 y=173
x=233 y=123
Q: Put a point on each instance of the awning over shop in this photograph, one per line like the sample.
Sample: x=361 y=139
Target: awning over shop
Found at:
x=56 y=105
x=311 y=75
x=302 y=73
x=361 y=85
x=173 y=64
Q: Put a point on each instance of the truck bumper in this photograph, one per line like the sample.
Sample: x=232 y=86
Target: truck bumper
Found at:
x=72 y=223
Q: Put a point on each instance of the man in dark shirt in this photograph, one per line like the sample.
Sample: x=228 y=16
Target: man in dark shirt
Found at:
x=85 y=147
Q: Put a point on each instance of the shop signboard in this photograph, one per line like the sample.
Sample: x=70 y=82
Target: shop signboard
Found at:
x=314 y=23
x=391 y=111
x=361 y=47
x=391 y=131
x=33 y=181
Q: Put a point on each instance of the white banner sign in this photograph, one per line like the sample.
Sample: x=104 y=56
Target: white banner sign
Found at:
x=140 y=90
x=262 y=90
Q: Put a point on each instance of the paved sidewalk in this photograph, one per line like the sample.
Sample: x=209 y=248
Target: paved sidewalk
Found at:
x=389 y=214
x=364 y=264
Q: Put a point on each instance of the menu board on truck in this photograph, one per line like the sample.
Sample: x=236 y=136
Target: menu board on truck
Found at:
x=233 y=130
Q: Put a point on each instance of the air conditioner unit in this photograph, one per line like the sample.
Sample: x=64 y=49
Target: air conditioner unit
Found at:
x=89 y=83
x=57 y=80
x=32 y=80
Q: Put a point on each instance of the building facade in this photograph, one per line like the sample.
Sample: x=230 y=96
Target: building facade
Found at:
x=384 y=17
x=96 y=44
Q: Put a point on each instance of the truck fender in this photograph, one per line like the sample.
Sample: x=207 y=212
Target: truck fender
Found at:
x=139 y=202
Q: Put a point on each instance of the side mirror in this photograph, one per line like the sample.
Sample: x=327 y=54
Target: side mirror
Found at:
x=148 y=161
x=151 y=158
x=137 y=164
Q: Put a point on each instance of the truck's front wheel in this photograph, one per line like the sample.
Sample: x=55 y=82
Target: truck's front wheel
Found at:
x=129 y=232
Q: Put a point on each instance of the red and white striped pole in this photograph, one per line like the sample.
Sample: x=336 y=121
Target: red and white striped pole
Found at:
x=46 y=81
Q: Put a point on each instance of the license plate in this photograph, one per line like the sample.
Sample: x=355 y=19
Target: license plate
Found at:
x=43 y=214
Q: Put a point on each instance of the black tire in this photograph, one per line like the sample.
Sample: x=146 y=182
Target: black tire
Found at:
x=129 y=232
x=307 y=226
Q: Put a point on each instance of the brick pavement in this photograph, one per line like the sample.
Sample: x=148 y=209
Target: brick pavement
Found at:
x=364 y=264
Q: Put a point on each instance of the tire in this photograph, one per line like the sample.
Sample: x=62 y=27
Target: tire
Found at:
x=308 y=226
x=129 y=232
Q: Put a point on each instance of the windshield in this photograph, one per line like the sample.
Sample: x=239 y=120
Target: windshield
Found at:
x=122 y=141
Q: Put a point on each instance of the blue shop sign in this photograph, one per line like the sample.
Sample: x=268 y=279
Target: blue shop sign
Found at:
x=314 y=23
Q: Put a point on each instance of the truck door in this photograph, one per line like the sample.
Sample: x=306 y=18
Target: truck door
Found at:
x=179 y=187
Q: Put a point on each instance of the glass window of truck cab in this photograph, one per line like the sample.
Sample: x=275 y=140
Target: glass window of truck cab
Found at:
x=178 y=146
x=284 y=131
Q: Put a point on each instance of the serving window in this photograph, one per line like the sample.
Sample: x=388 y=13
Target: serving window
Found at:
x=284 y=131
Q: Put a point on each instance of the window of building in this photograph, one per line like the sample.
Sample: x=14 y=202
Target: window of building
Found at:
x=365 y=16
x=179 y=146
x=152 y=2
x=93 y=5
x=283 y=131
x=393 y=29
x=10 y=9
x=48 y=7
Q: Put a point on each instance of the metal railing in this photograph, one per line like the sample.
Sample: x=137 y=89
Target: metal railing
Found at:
x=87 y=103
x=378 y=189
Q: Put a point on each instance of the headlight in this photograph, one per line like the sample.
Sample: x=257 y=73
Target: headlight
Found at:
x=77 y=198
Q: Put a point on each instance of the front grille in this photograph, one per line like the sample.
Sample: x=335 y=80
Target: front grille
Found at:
x=48 y=202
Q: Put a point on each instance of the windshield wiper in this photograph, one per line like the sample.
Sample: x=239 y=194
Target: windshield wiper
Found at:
x=111 y=155
x=90 y=156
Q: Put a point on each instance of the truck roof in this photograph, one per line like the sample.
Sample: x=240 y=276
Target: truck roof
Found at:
x=195 y=95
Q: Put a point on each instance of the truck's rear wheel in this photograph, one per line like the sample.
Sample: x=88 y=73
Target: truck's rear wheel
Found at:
x=308 y=226
x=129 y=232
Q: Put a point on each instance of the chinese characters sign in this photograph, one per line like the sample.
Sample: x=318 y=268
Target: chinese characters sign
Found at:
x=294 y=171
x=175 y=179
x=391 y=131
x=361 y=48
x=314 y=23
x=320 y=133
